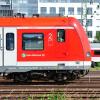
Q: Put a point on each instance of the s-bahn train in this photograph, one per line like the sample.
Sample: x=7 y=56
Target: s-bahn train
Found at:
x=53 y=47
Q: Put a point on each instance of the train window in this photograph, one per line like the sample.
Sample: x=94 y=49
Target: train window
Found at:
x=97 y=52
x=10 y=41
x=32 y=41
x=61 y=35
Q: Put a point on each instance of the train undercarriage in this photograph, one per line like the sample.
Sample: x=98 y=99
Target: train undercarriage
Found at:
x=57 y=76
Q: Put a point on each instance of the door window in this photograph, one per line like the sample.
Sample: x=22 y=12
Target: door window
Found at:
x=61 y=35
x=10 y=41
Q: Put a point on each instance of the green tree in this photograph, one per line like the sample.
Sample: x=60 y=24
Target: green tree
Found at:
x=98 y=36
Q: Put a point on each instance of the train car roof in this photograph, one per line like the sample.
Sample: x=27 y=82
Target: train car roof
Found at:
x=34 y=21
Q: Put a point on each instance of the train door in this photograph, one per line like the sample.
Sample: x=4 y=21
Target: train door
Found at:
x=10 y=42
x=61 y=44
x=1 y=49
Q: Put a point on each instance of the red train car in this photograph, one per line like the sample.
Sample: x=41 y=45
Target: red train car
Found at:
x=54 y=47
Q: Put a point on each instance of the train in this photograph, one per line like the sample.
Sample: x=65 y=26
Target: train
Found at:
x=54 y=48
x=95 y=53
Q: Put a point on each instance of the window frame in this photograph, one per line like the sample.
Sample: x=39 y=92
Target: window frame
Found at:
x=89 y=11
x=10 y=40
x=90 y=34
x=43 y=10
x=96 y=52
x=52 y=10
x=71 y=10
x=89 y=22
x=62 y=10
x=33 y=49
x=79 y=10
x=64 y=36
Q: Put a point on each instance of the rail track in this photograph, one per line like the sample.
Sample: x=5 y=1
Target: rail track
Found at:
x=86 y=87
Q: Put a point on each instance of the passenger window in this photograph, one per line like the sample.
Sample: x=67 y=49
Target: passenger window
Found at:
x=32 y=41
x=97 y=52
x=10 y=41
x=61 y=35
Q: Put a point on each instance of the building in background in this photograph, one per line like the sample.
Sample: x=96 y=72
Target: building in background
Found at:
x=57 y=7
x=74 y=8
x=5 y=8
x=28 y=7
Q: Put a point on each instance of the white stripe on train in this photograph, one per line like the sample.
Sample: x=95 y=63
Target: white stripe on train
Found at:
x=54 y=63
x=47 y=27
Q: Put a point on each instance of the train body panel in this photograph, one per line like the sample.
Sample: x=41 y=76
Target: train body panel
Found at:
x=52 y=49
x=57 y=43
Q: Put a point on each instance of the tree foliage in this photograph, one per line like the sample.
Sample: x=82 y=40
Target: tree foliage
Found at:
x=98 y=36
